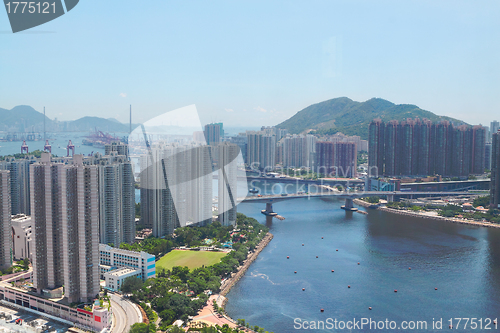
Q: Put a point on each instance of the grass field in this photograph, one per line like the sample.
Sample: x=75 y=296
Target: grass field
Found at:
x=191 y=259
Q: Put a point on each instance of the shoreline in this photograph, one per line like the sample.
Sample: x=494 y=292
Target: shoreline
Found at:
x=230 y=282
x=431 y=217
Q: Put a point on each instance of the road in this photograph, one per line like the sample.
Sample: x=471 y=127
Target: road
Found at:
x=125 y=313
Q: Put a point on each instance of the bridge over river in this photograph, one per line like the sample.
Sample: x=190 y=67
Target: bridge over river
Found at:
x=349 y=196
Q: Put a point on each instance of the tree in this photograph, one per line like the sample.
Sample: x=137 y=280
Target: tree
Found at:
x=142 y=328
x=131 y=284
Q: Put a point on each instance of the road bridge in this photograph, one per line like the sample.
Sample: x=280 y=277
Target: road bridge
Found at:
x=348 y=196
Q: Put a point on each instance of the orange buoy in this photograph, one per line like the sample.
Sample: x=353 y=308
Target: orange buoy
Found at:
x=295 y=272
x=337 y=250
x=316 y=256
x=395 y=290
x=333 y=271
x=348 y=286
x=370 y=308
x=435 y=288
x=321 y=237
x=322 y=310
x=358 y=263
x=409 y=268
x=303 y=289
x=287 y=257
x=302 y=244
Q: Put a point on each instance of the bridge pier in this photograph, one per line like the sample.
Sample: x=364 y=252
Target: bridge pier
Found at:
x=270 y=213
x=349 y=206
x=390 y=198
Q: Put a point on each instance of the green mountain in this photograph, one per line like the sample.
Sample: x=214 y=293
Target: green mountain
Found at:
x=352 y=118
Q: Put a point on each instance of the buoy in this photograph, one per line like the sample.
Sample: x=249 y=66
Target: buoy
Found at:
x=495 y=321
x=337 y=249
x=358 y=263
x=322 y=310
x=348 y=286
x=295 y=272
x=435 y=288
x=333 y=271
x=370 y=308
x=321 y=237
x=303 y=289
x=395 y=290
x=409 y=268
x=316 y=256
x=287 y=257
x=451 y=326
x=302 y=244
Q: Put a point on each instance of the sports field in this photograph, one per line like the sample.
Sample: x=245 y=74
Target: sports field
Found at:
x=191 y=259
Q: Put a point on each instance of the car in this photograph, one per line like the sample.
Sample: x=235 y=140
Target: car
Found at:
x=284 y=194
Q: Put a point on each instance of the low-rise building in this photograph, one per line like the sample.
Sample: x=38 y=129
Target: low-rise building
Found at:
x=114 y=279
x=110 y=257
x=21 y=236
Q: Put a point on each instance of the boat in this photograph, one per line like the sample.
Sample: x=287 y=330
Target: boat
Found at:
x=253 y=190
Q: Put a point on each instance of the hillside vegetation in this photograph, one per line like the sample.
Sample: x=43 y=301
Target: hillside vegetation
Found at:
x=352 y=118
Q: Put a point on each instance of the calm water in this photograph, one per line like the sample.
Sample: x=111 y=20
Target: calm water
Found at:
x=58 y=141
x=462 y=262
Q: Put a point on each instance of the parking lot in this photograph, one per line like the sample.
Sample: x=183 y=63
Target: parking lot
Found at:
x=30 y=322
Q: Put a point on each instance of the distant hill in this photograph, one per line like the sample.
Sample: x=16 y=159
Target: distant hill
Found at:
x=24 y=118
x=352 y=118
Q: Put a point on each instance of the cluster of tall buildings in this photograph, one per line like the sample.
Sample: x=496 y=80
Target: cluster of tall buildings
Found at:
x=415 y=147
x=336 y=159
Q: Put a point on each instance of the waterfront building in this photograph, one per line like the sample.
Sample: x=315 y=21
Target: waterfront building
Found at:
x=22 y=228
x=495 y=171
x=5 y=221
x=345 y=159
x=415 y=147
x=111 y=258
x=376 y=148
x=261 y=150
x=65 y=214
x=213 y=133
x=299 y=151
x=325 y=158
x=227 y=183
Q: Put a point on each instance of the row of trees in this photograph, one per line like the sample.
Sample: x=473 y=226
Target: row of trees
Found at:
x=179 y=293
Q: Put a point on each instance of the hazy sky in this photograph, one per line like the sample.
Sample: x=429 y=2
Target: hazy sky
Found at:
x=251 y=63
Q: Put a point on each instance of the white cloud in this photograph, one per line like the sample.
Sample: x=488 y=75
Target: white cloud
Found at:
x=229 y=110
x=123 y=95
x=260 y=109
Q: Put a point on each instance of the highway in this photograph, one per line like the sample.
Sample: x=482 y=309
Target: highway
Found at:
x=125 y=313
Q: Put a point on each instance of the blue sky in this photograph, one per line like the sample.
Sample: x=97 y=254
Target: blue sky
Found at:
x=251 y=63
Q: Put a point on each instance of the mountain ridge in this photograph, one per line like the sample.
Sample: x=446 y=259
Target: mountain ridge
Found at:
x=350 y=117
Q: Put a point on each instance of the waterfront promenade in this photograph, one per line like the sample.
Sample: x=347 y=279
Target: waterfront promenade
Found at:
x=207 y=314
x=429 y=215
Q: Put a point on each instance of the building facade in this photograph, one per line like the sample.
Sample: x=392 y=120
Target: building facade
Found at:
x=65 y=214
x=22 y=228
x=415 y=147
x=5 y=221
x=111 y=258
x=495 y=171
